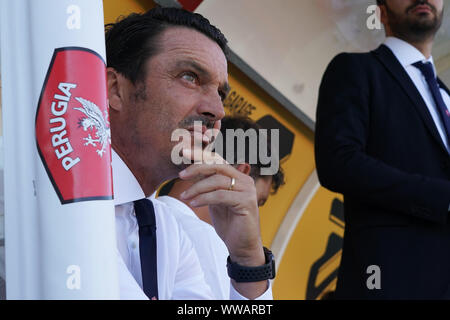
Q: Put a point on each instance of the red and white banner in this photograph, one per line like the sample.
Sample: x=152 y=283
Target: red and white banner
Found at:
x=59 y=213
x=72 y=129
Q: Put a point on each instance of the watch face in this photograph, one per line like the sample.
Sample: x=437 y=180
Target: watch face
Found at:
x=269 y=255
x=273 y=269
x=270 y=259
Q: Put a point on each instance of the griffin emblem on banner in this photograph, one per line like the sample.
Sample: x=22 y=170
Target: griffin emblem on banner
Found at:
x=95 y=120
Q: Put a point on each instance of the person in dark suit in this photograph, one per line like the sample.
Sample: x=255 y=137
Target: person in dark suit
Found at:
x=382 y=140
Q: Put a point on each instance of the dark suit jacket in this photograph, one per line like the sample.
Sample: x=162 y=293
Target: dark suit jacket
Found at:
x=377 y=144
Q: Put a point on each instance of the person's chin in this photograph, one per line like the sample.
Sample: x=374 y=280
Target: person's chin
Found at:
x=424 y=23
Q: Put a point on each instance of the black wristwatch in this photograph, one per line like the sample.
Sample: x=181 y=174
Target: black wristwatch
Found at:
x=252 y=274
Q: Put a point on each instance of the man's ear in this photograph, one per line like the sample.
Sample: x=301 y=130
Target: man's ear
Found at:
x=244 y=168
x=115 y=90
x=383 y=14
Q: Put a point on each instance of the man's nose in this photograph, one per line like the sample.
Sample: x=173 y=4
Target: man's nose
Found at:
x=212 y=107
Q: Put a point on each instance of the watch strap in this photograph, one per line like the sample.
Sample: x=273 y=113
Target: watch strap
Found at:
x=252 y=274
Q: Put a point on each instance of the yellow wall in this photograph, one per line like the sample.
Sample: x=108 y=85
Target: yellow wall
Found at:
x=297 y=167
x=309 y=241
x=306 y=246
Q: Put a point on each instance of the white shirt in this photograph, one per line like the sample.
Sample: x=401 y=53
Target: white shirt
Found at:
x=180 y=275
x=210 y=248
x=407 y=54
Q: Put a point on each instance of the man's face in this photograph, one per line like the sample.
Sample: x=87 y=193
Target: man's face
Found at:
x=263 y=186
x=413 y=20
x=185 y=81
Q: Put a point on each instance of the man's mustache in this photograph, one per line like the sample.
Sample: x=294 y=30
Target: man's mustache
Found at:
x=189 y=122
x=421 y=3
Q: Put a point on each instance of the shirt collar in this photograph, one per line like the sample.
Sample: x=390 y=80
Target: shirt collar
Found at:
x=405 y=53
x=126 y=187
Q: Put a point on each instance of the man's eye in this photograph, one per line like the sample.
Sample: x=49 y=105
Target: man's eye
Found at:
x=189 y=77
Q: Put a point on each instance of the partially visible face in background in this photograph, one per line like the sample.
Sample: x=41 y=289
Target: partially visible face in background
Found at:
x=412 y=20
x=263 y=186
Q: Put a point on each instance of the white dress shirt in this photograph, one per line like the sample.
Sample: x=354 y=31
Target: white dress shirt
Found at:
x=211 y=251
x=407 y=54
x=180 y=276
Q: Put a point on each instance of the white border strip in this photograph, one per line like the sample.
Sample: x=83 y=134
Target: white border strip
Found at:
x=293 y=216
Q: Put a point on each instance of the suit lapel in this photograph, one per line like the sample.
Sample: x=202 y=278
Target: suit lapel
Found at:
x=393 y=66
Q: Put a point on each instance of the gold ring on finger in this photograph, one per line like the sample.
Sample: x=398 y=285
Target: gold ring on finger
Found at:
x=233 y=182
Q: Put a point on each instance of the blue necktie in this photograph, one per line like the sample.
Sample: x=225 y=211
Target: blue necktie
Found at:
x=428 y=73
x=145 y=215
